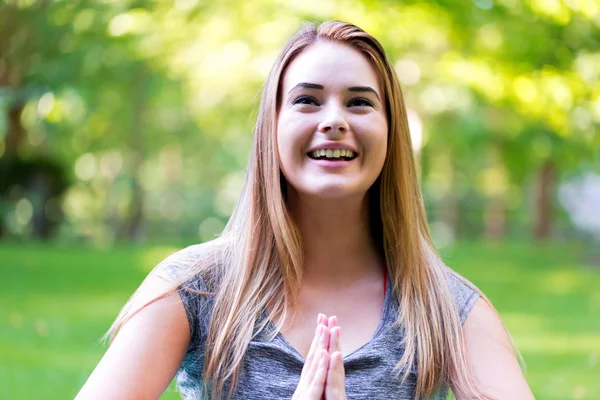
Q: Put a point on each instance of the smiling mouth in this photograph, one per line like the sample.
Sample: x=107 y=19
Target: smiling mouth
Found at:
x=332 y=155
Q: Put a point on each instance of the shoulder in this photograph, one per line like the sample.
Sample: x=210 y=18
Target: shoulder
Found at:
x=182 y=260
x=492 y=354
x=464 y=293
x=194 y=267
x=151 y=338
x=188 y=272
x=489 y=346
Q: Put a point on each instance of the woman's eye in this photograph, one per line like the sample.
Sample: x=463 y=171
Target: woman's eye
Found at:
x=305 y=100
x=360 y=102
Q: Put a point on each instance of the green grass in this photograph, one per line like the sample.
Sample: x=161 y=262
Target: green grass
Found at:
x=56 y=302
x=549 y=300
x=55 y=305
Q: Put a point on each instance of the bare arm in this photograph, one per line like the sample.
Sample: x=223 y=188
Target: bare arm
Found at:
x=146 y=353
x=491 y=355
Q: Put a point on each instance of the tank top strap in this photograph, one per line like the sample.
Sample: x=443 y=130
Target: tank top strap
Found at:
x=384 y=280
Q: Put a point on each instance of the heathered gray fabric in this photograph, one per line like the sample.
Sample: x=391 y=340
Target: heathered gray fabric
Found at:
x=271 y=369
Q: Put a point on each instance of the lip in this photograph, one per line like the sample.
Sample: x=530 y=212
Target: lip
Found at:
x=331 y=163
x=334 y=145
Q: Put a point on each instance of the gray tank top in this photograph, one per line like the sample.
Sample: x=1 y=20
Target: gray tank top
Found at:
x=271 y=368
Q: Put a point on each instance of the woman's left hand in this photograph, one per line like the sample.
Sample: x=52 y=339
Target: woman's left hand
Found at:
x=335 y=386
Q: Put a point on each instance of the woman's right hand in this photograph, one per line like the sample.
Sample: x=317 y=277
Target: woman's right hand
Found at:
x=314 y=373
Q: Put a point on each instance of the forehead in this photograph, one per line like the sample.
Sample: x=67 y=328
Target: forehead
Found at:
x=333 y=65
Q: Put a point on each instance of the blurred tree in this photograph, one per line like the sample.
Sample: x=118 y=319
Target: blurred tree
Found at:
x=151 y=104
x=28 y=51
x=531 y=94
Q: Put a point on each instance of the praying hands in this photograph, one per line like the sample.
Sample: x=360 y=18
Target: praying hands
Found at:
x=323 y=373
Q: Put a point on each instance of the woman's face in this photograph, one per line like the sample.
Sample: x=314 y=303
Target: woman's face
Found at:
x=332 y=126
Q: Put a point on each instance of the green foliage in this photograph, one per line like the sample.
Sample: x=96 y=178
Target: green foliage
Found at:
x=152 y=103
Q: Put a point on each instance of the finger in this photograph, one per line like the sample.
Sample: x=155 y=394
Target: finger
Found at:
x=335 y=373
x=331 y=322
x=321 y=318
x=312 y=356
x=318 y=382
x=324 y=339
x=334 y=340
x=321 y=322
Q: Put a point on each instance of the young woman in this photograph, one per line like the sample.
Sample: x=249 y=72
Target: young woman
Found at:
x=325 y=282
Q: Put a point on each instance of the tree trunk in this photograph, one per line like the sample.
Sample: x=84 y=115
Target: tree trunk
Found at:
x=544 y=194
x=16 y=133
x=495 y=218
x=451 y=213
x=135 y=219
x=494 y=213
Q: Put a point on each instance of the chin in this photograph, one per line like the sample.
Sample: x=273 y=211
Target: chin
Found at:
x=333 y=191
x=329 y=188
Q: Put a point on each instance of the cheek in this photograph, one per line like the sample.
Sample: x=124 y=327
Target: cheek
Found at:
x=381 y=132
x=374 y=133
x=291 y=135
x=289 y=142
x=376 y=143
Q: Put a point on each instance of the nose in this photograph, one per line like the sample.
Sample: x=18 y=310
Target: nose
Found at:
x=333 y=121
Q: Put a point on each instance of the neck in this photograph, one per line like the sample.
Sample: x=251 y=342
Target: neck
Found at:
x=337 y=240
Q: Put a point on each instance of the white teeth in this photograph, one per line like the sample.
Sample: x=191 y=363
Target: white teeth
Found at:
x=333 y=153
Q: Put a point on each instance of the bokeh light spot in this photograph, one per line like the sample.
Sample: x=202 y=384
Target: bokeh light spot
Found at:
x=416 y=129
x=85 y=167
x=23 y=211
x=408 y=71
x=484 y=4
x=46 y=104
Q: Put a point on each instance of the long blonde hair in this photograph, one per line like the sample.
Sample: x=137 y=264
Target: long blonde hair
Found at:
x=256 y=264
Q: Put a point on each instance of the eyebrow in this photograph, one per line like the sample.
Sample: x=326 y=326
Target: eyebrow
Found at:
x=308 y=85
x=364 y=89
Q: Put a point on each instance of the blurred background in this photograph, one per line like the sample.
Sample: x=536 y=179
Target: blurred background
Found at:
x=125 y=127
